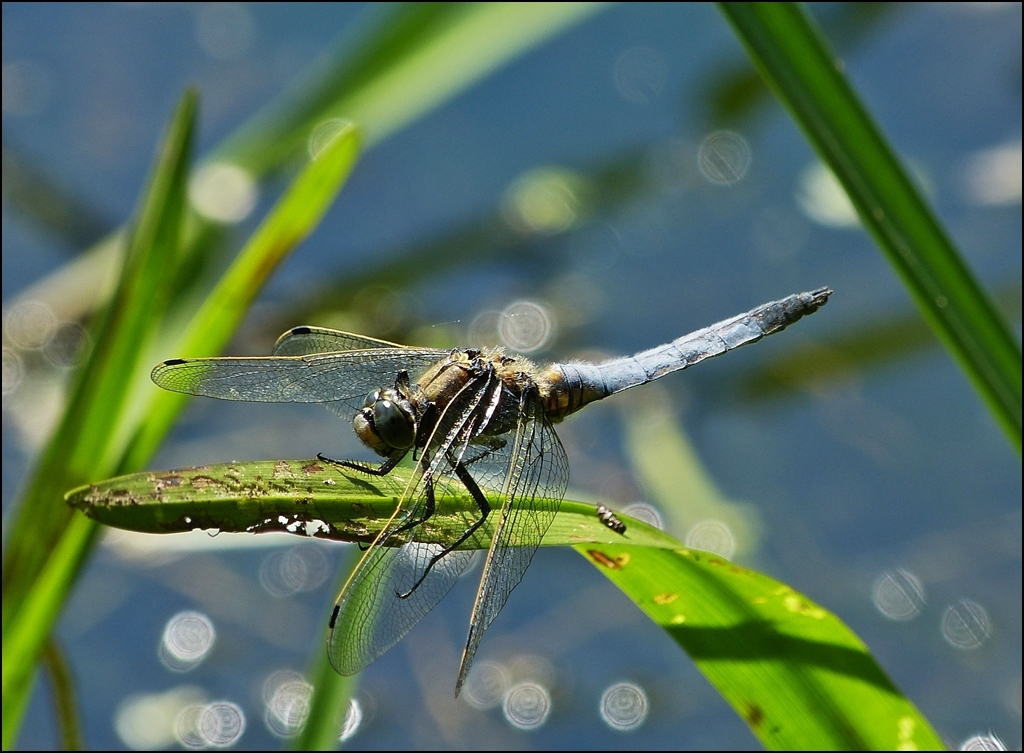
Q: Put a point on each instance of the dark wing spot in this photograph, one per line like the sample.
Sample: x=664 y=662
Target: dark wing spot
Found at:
x=334 y=617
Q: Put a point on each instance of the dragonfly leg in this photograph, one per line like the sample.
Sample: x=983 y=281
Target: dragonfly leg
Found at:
x=428 y=509
x=363 y=467
x=485 y=510
x=482 y=455
x=357 y=465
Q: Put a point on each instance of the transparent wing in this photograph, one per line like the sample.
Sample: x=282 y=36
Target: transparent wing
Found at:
x=340 y=380
x=537 y=474
x=302 y=341
x=370 y=615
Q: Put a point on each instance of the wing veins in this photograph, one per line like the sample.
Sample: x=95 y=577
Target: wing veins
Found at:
x=356 y=649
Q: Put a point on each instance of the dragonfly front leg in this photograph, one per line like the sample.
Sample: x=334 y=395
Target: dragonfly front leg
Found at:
x=481 y=502
x=362 y=466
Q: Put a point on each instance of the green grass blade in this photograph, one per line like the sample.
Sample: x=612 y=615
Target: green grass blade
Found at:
x=795 y=60
x=292 y=219
x=98 y=398
x=792 y=670
x=34 y=585
x=58 y=672
x=30 y=626
x=418 y=56
x=295 y=215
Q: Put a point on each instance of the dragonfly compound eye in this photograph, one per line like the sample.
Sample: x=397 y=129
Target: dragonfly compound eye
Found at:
x=394 y=426
x=372 y=398
x=362 y=424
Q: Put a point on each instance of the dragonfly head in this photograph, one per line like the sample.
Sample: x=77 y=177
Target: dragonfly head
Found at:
x=387 y=423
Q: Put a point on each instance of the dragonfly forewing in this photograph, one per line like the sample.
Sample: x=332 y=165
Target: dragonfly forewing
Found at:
x=339 y=380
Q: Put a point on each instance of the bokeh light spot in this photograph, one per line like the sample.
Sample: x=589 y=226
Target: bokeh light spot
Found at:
x=29 y=325
x=221 y=724
x=988 y=741
x=966 y=625
x=353 y=720
x=647 y=513
x=483 y=330
x=527 y=706
x=26 y=88
x=486 y=685
x=68 y=346
x=823 y=199
x=712 y=536
x=724 y=158
x=223 y=192
x=286 y=697
x=294 y=570
x=993 y=176
x=545 y=200
x=624 y=706
x=898 y=595
x=149 y=721
x=325 y=133
x=639 y=74
x=186 y=642
x=13 y=371
x=525 y=326
x=186 y=727
x=225 y=31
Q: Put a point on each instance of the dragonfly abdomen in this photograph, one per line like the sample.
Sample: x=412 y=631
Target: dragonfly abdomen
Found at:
x=573 y=385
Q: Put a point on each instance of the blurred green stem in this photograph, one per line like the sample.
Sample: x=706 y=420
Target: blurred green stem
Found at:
x=62 y=684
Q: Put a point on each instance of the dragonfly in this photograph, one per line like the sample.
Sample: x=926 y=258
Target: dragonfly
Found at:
x=474 y=421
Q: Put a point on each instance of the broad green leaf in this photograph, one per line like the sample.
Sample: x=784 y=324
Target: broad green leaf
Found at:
x=791 y=669
x=797 y=63
x=35 y=575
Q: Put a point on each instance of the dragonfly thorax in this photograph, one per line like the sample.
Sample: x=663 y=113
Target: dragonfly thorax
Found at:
x=387 y=422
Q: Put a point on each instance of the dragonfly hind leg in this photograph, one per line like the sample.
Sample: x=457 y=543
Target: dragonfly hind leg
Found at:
x=481 y=502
